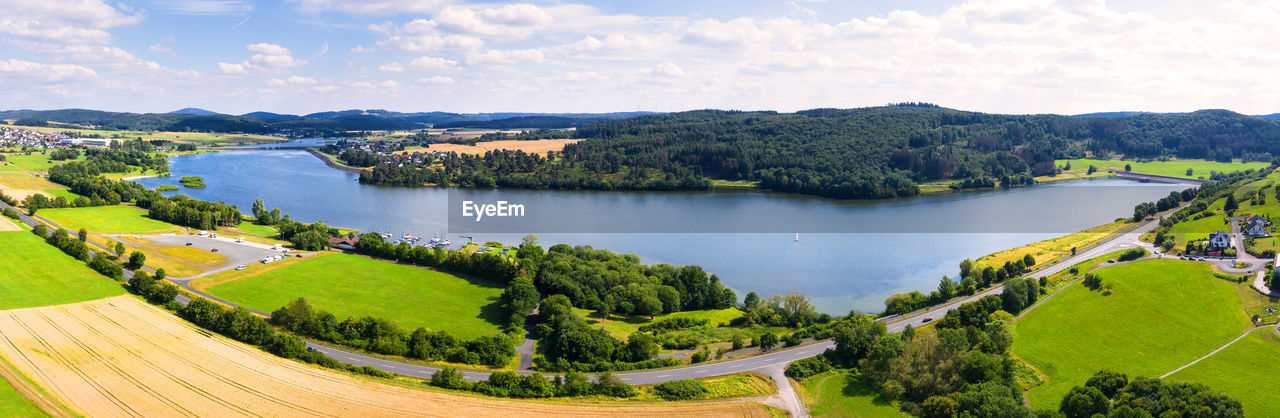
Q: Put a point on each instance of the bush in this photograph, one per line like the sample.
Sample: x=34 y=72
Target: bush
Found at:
x=1092 y=281
x=804 y=368
x=1132 y=254
x=679 y=390
x=609 y=385
x=450 y=378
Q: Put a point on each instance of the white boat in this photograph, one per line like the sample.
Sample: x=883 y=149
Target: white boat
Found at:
x=797 y=237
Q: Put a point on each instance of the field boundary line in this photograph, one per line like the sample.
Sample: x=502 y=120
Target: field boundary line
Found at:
x=33 y=393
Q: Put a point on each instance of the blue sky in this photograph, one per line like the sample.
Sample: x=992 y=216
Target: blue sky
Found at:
x=300 y=56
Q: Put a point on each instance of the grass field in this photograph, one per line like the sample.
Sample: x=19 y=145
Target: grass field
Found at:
x=1053 y=248
x=33 y=273
x=1160 y=314
x=114 y=219
x=1245 y=371
x=349 y=285
x=1172 y=168
x=738 y=385
x=621 y=326
x=13 y=404
x=255 y=229
x=842 y=394
x=94 y=354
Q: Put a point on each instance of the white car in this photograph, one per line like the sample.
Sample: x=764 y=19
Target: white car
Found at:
x=241 y=267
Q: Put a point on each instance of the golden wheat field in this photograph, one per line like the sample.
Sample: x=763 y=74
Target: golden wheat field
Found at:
x=121 y=357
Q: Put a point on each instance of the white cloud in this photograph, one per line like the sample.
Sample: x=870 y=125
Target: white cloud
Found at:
x=161 y=48
x=437 y=80
x=232 y=68
x=426 y=62
x=64 y=21
x=370 y=7
x=669 y=69
x=49 y=72
x=392 y=67
x=301 y=80
x=494 y=56
x=207 y=7
x=268 y=57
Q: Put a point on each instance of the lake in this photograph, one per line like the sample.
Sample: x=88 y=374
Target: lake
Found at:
x=848 y=255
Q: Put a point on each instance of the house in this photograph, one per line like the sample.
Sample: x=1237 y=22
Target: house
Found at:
x=344 y=243
x=1219 y=240
x=1256 y=226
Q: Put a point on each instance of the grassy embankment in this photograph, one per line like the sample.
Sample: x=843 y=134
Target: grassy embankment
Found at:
x=349 y=285
x=844 y=394
x=1159 y=315
x=1054 y=248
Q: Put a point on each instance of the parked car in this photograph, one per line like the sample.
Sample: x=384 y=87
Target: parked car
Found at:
x=299 y=256
x=240 y=267
x=188 y=244
x=927 y=319
x=213 y=250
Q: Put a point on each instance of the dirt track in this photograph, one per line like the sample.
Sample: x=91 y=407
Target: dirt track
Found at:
x=122 y=357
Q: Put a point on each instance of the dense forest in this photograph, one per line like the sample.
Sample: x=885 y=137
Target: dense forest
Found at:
x=875 y=152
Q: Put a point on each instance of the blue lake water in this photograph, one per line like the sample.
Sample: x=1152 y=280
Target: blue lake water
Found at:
x=850 y=254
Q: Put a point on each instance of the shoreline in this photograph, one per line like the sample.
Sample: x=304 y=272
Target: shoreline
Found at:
x=332 y=164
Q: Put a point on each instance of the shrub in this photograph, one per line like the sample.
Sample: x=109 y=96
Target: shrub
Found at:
x=450 y=378
x=609 y=385
x=1132 y=254
x=804 y=368
x=678 y=390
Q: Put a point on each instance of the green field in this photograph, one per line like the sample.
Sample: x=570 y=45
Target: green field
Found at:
x=621 y=326
x=12 y=404
x=349 y=285
x=841 y=394
x=107 y=219
x=255 y=229
x=33 y=162
x=33 y=273
x=1172 y=168
x=1245 y=371
x=1160 y=315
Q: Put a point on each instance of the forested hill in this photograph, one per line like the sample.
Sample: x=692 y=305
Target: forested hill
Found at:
x=886 y=151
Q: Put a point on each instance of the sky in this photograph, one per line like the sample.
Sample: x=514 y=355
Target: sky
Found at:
x=302 y=56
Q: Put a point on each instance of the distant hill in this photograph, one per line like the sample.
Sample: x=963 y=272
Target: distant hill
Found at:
x=522 y=122
x=1273 y=116
x=194 y=111
x=268 y=116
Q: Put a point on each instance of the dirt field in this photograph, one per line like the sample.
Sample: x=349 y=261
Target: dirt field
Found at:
x=540 y=146
x=7 y=224
x=122 y=357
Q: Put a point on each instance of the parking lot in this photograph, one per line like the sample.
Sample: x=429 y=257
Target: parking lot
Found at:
x=236 y=253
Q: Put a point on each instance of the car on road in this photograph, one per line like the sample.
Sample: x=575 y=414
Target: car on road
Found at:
x=240 y=267
x=188 y=244
x=298 y=256
x=213 y=250
x=926 y=319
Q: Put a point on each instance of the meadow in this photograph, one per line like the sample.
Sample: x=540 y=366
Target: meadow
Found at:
x=114 y=219
x=1159 y=315
x=1172 y=168
x=844 y=394
x=34 y=273
x=13 y=404
x=1242 y=371
x=350 y=285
